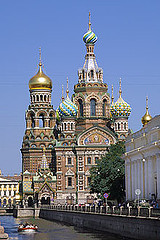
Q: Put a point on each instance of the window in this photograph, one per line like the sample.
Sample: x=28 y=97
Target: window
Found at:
x=71 y=126
x=45 y=98
x=69 y=160
x=41 y=97
x=125 y=126
x=4 y=193
x=88 y=181
x=93 y=107
x=88 y=160
x=69 y=181
x=32 y=121
x=68 y=126
x=92 y=74
x=65 y=126
x=96 y=159
x=37 y=98
x=104 y=107
x=118 y=126
x=41 y=120
x=80 y=108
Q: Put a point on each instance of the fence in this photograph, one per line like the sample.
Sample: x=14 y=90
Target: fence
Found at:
x=121 y=211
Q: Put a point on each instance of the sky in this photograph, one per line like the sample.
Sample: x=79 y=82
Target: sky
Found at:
x=128 y=46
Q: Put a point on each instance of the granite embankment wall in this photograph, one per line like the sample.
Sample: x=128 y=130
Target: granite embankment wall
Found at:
x=131 y=227
x=26 y=212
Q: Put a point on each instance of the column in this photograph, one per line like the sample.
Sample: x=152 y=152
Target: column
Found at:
x=150 y=178
x=158 y=175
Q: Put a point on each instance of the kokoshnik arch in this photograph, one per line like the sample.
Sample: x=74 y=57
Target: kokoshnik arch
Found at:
x=74 y=136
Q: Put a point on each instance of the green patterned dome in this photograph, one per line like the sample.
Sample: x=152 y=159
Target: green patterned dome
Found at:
x=120 y=108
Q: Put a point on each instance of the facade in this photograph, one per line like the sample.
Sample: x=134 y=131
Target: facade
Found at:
x=77 y=134
x=142 y=160
x=9 y=192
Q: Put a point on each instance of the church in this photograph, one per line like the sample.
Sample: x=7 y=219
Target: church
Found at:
x=61 y=145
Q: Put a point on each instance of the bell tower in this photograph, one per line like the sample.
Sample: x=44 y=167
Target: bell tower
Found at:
x=40 y=121
x=91 y=94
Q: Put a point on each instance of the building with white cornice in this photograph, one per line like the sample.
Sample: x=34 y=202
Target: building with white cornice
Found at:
x=142 y=160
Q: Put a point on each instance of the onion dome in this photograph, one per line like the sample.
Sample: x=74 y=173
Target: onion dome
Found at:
x=89 y=37
x=147 y=117
x=120 y=108
x=40 y=80
x=66 y=108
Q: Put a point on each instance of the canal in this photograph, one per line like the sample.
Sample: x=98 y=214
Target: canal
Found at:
x=49 y=230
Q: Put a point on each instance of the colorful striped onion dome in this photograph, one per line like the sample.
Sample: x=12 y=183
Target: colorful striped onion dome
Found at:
x=89 y=37
x=67 y=109
x=120 y=108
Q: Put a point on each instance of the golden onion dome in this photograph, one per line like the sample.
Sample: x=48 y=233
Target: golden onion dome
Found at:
x=40 y=80
x=147 y=117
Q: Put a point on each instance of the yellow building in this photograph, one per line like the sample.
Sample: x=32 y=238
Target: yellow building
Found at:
x=9 y=192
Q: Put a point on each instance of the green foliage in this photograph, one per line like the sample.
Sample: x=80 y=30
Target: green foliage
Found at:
x=108 y=175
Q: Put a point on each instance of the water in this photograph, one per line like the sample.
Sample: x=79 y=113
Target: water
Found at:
x=49 y=230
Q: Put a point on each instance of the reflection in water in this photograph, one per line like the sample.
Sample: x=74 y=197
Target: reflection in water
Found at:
x=49 y=230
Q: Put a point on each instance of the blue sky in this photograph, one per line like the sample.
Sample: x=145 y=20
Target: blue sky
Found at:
x=128 y=47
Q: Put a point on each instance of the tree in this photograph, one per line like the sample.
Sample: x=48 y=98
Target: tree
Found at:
x=108 y=175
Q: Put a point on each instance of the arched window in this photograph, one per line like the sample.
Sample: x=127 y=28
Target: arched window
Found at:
x=104 y=107
x=71 y=126
x=80 y=108
x=32 y=121
x=41 y=120
x=33 y=98
x=92 y=74
x=119 y=126
x=65 y=126
x=83 y=74
x=50 y=120
x=37 y=98
x=41 y=97
x=93 y=107
x=125 y=126
x=45 y=98
x=68 y=126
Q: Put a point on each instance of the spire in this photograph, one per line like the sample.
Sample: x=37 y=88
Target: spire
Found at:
x=147 y=117
x=62 y=94
x=146 y=103
x=40 y=60
x=120 y=90
x=89 y=22
x=112 y=94
x=67 y=87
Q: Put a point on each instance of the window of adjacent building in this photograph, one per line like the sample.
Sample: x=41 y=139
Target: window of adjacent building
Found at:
x=93 y=107
x=69 y=160
x=80 y=107
x=37 y=98
x=41 y=97
x=4 y=193
x=104 y=107
x=41 y=120
x=45 y=98
x=69 y=181
x=88 y=160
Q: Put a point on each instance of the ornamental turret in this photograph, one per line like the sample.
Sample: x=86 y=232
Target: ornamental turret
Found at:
x=40 y=121
x=147 y=117
x=90 y=71
x=120 y=111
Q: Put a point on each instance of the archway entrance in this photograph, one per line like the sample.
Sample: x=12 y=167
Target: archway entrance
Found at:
x=45 y=200
x=30 y=202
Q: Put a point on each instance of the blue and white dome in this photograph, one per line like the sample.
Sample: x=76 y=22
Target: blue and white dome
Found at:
x=67 y=109
x=89 y=37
